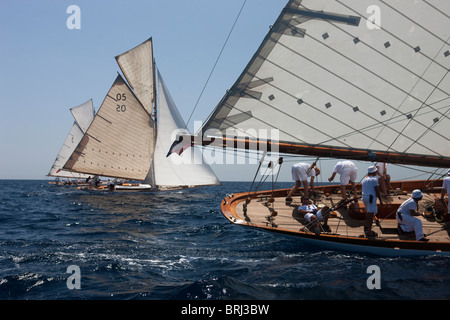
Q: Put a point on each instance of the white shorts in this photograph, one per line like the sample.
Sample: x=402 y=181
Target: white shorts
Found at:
x=348 y=174
x=409 y=224
x=318 y=215
x=371 y=207
x=299 y=173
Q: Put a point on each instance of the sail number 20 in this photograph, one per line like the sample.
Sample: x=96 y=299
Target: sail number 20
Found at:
x=121 y=107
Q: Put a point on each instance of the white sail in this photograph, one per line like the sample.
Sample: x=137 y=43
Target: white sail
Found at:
x=73 y=138
x=175 y=171
x=137 y=67
x=368 y=75
x=83 y=114
x=185 y=170
x=119 y=142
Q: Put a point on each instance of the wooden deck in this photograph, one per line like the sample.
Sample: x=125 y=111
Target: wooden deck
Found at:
x=268 y=210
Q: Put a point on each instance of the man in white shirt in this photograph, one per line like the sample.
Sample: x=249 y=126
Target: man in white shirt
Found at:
x=405 y=213
x=446 y=189
x=300 y=174
x=348 y=173
x=370 y=193
x=312 y=215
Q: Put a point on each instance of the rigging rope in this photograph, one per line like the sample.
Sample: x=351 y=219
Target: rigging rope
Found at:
x=215 y=64
x=424 y=102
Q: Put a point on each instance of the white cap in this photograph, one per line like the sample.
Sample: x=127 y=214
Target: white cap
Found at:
x=372 y=169
x=417 y=194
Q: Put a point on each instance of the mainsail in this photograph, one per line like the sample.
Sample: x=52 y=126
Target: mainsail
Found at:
x=131 y=134
x=83 y=115
x=367 y=79
x=175 y=171
x=119 y=142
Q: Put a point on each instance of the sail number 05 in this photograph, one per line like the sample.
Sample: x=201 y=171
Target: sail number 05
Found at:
x=121 y=97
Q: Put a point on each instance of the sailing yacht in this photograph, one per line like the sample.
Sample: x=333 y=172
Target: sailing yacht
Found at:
x=132 y=131
x=363 y=80
x=83 y=116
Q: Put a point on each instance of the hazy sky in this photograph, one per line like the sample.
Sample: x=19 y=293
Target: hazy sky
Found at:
x=47 y=68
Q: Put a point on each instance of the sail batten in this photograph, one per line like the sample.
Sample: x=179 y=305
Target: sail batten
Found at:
x=325 y=75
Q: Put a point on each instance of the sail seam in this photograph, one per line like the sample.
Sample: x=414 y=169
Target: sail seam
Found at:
x=350 y=83
x=229 y=102
x=423 y=104
x=319 y=110
x=396 y=120
x=403 y=15
x=396 y=37
x=438 y=10
x=429 y=129
x=387 y=57
x=377 y=75
x=369 y=71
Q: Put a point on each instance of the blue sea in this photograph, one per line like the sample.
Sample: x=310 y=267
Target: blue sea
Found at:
x=177 y=246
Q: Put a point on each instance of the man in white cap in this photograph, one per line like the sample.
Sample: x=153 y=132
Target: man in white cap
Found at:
x=313 y=216
x=405 y=213
x=348 y=172
x=446 y=189
x=300 y=173
x=370 y=193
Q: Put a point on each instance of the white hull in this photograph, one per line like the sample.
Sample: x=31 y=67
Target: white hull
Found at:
x=134 y=187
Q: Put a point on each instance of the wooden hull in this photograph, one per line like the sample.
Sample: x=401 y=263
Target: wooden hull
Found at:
x=268 y=211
